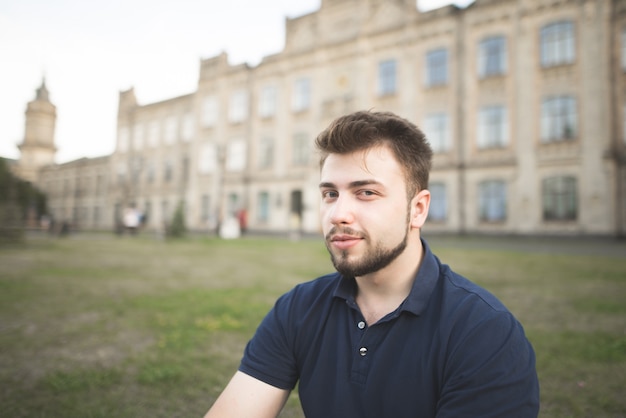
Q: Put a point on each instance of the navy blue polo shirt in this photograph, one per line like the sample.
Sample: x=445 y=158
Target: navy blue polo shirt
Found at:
x=451 y=349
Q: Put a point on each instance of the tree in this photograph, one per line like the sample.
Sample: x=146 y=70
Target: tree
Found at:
x=18 y=198
x=178 y=229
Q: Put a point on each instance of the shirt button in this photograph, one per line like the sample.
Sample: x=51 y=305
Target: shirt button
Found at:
x=361 y=325
x=363 y=351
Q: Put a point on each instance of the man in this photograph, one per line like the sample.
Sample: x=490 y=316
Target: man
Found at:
x=393 y=333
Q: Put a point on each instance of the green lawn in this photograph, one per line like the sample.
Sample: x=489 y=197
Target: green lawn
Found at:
x=107 y=326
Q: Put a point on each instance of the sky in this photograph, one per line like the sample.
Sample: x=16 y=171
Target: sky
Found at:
x=89 y=51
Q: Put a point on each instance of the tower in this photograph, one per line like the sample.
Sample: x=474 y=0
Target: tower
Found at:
x=37 y=149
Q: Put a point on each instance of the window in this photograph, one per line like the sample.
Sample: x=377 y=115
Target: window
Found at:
x=300 y=151
x=557 y=44
x=165 y=211
x=208 y=159
x=147 y=212
x=266 y=153
x=210 y=111
x=136 y=165
x=153 y=134
x=122 y=139
x=205 y=206
x=492 y=127
x=437 y=67
x=171 y=128
x=99 y=184
x=492 y=201
x=559 y=198
x=238 y=110
x=187 y=131
x=232 y=203
x=268 y=101
x=121 y=177
x=301 y=95
x=558 y=119
x=437 y=131
x=168 y=171
x=263 y=207
x=138 y=134
x=387 y=78
x=438 y=204
x=492 y=57
x=150 y=171
x=184 y=168
x=236 y=155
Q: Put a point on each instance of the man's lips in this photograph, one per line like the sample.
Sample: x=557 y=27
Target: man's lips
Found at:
x=343 y=242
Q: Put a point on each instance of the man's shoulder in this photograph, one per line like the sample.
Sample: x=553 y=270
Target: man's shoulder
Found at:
x=323 y=286
x=462 y=289
x=320 y=285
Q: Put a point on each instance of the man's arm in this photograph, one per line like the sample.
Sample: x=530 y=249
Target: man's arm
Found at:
x=245 y=396
x=491 y=374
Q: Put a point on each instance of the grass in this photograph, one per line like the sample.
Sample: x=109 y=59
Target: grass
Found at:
x=118 y=327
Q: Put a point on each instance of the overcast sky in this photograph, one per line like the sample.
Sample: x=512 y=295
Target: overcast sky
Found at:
x=91 y=50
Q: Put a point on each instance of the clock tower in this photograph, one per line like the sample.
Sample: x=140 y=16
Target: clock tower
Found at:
x=37 y=149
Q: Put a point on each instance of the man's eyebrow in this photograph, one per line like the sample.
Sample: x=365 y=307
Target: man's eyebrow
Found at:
x=352 y=185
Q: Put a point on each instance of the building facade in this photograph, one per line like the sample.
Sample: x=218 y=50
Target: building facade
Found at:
x=523 y=102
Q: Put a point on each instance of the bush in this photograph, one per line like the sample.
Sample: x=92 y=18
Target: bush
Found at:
x=177 y=228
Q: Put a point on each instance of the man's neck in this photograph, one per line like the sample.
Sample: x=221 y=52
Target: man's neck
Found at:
x=381 y=292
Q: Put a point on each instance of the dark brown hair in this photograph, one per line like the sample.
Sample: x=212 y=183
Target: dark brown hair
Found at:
x=364 y=130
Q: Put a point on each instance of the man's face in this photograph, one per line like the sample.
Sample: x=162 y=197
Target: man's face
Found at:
x=364 y=210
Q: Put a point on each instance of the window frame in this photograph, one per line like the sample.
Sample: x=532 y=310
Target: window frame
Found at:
x=238 y=106
x=492 y=56
x=438 y=211
x=559 y=201
x=493 y=127
x=437 y=67
x=437 y=129
x=301 y=99
x=263 y=206
x=492 y=201
x=300 y=150
x=556 y=112
x=170 y=135
x=188 y=127
x=236 y=158
x=265 y=156
x=557 y=43
x=268 y=101
x=387 y=77
x=210 y=111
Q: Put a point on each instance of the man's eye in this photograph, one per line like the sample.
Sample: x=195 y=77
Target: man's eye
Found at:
x=367 y=193
x=329 y=194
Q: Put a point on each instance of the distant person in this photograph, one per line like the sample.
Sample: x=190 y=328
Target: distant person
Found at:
x=132 y=220
x=242 y=218
x=64 y=229
x=394 y=332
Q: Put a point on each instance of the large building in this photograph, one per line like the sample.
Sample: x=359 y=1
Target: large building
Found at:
x=524 y=104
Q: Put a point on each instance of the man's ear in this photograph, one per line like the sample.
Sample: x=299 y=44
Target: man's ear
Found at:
x=419 y=208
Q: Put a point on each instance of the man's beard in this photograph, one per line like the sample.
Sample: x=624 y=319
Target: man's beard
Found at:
x=373 y=260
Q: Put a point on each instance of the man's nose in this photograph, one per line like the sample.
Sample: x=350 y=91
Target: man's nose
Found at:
x=342 y=211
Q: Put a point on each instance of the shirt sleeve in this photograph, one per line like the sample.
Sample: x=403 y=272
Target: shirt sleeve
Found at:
x=268 y=355
x=491 y=372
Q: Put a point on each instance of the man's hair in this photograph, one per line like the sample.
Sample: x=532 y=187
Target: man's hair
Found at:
x=364 y=130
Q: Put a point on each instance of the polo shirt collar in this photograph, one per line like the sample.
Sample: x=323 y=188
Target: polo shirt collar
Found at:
x=422 y=289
